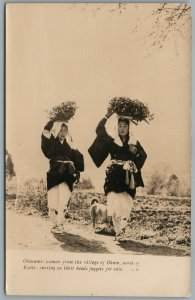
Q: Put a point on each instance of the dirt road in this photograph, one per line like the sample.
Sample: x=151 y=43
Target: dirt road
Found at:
x=34 y=233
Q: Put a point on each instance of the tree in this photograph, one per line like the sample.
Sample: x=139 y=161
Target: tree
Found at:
x=157 y=179
x=173 y=185
x=165 y=19
x=9 y=165
x=155 y=183
x=168 y=19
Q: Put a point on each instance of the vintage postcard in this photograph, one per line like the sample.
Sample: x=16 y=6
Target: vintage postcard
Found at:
x=98 y=149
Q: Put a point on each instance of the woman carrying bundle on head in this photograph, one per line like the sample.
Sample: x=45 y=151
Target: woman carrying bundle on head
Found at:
x=123 y=174
x=66 y=163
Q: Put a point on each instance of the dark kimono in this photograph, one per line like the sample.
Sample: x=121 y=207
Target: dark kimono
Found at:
x=116 y=175
x=59 y=171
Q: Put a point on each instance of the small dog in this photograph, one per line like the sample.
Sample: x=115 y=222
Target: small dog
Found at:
x=98 y=212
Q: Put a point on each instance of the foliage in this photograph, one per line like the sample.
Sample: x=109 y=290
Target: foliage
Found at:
x=156 y=183
x=11 y=187
x=133 y=109
x=184 y=189
x=169 y=18
x=9 y=165
x=173 y=185
x=159 y=183
x=85 y=183
x=63 y=112
x=32 y=194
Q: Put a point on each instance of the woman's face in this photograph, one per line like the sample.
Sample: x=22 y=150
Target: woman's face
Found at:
x=123 y=128
x=63 y=133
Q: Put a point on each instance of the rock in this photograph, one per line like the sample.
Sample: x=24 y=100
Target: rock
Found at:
x=147 y=234
x=188 y=222
x=67 y=215
x=159 y=227
x=177 y=222
x=181 y=241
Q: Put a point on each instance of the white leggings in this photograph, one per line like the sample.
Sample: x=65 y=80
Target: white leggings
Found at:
x=119 y=207
x=58 y=198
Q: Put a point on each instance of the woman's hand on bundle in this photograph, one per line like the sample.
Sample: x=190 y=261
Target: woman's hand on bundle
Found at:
x=109 y=113
x=49 y=125
x=133 y=149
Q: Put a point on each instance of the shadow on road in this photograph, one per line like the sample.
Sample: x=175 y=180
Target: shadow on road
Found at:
x=76 y=243
x=152 y=249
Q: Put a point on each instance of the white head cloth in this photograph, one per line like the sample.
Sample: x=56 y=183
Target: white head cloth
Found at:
x=56 y=129
x=112 y=130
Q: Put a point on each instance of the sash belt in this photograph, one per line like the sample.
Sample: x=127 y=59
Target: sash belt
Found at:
x=130 y=168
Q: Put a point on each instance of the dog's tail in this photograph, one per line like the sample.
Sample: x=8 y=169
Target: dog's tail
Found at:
x=94 y=200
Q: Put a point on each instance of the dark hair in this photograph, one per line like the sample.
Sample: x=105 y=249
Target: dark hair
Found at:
x=124 y=120
x=64 y=125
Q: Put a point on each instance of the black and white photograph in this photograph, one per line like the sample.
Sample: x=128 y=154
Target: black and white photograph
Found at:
x=98 y=148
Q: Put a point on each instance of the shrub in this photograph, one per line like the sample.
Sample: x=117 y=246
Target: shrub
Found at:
x=160 y=184
x=11 y=187
x=9 y=165
x=173 y=185
x=185 y=189
x=155 y=183
x=85 y=183
x=33 y=194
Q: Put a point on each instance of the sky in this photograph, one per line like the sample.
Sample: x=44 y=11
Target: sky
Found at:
x=90 y=54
